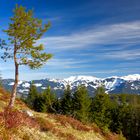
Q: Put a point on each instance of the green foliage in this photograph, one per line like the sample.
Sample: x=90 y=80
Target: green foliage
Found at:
x=33 y=94
x=57 y=106
x=126 y=117
x=23 y=31
x=119 y=113
x=100 y=90
x=50 y=99
x=41 y=102
x=82 y=104
x=100 y=108
x=67 y=102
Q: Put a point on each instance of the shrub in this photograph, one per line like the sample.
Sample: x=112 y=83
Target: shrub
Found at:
x=44 y=124
x=11 y=118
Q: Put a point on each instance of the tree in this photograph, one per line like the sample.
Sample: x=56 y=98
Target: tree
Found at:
x=101 y=108
x=39 y=104
x=33 y=93
x=67 y=102
x=100 y=90
x=24 y=31
x=50 y=99
x=82 y=104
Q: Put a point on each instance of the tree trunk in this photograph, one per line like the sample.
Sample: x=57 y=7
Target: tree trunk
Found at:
x=14 y=90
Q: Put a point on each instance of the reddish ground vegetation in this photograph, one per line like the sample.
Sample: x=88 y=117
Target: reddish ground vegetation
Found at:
x=61 y=134
x=111 y=136
x=96 y=129
x=48 y=126
x=44 y=124
x=20 y=103
x=64 y=120
x=13 y=118
x=4 y=95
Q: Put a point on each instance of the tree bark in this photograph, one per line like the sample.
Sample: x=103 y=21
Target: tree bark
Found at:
x=14 y=90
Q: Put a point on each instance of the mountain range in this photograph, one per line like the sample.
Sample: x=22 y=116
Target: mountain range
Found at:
x=126 y=84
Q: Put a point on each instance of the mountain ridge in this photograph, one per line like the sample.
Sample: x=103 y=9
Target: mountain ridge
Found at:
x=115 y=84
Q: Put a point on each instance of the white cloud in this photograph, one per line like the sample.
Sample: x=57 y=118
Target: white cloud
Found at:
x=66 y=63
x=123 y=33
x=123 y=55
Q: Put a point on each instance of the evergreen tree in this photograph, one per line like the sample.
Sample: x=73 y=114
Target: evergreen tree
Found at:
x=40 y=103
x=50 y=99
x=24 y=31
x=33 y=94
x=67 y=102
x=123 y=116
x=101 y=108
x=82 y=104
x=100 y=90
x=57 y=106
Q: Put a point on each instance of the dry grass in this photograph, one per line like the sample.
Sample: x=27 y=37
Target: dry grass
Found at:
x=4 y=95
x=11 y=118
x=16 y=125
x=64 y=120
x=113 y=136
x=46 y=125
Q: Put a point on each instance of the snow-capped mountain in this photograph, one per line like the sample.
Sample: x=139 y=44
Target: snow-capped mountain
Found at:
x=126 y=84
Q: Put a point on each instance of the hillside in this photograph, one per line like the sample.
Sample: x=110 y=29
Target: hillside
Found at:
x=126 y=84
x=23 y=123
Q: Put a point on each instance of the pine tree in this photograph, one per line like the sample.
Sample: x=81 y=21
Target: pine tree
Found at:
x=33 y=94
x=82 y=104
x=67 y=102
x=40 y=103
x=100 y=90
x=101 y=108
x=24 y=31
x=50 y=99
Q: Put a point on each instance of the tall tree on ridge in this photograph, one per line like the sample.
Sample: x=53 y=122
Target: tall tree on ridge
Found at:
x=67 y=102
x=24 y=31
x=82 y=104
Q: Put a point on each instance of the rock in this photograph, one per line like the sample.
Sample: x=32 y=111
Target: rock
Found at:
x=27 y=112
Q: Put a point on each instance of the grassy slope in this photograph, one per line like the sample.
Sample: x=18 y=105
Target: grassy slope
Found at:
x=43 y=126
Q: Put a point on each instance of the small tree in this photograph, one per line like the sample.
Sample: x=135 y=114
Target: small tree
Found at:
x=23 y=31
x=67 y=102
x=82 y=104
x=39 y=104
x=100 y=108
x=33 y=93
x=50 y=99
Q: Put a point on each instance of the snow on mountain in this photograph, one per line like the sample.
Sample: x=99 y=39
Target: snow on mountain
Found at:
x=38 y=84
x=43 y=87
x=25 y=91
x=11 y=84
x=114 y=84
x=83 y=78
x=133 y=77
x=19 y=83
x=26 y=85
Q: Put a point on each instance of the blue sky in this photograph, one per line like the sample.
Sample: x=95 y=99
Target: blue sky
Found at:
x=87 y=37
